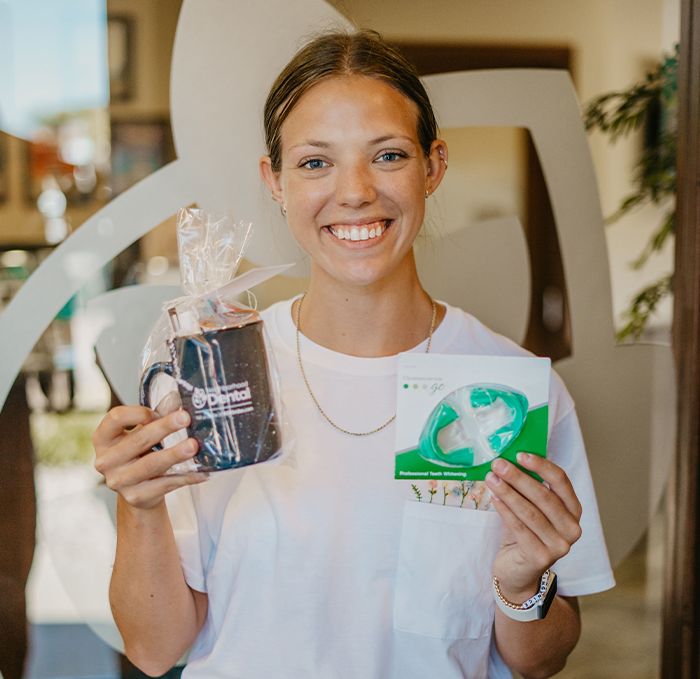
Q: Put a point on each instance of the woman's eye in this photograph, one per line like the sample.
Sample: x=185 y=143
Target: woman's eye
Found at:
x=391 y=156
x=313 y=164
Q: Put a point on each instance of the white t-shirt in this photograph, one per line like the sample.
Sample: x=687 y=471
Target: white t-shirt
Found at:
x=325 y=566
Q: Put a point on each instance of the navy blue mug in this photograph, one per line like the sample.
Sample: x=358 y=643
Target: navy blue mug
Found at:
x=225 y=385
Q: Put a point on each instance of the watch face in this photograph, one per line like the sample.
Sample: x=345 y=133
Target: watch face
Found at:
x=549 y=596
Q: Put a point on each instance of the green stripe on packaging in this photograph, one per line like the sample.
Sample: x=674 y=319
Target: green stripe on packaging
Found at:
x=532 y=439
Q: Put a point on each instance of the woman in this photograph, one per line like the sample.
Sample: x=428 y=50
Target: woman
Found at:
x=322 y=566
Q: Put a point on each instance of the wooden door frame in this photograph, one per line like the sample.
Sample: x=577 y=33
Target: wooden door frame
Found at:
x=681 y=630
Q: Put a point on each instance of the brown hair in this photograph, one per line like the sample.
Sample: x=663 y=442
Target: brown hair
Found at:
x=341 y=54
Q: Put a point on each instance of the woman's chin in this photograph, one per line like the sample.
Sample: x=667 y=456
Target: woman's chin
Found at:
x=363 y=268
x=358 y=276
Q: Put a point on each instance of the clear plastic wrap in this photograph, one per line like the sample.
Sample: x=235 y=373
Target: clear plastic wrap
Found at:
x=208 y=354
x=473 y=425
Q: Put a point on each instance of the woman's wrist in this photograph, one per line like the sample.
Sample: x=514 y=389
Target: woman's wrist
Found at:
x=141 y=515
x=517 y=594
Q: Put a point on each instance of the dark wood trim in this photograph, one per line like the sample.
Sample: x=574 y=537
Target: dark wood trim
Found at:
x=448 y=57
x=17 y=527
x=544 y=338
x=681 y=632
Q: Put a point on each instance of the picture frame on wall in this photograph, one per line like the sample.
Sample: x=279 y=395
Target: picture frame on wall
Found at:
x=120 y=57
x=139 y=148
x=4 y=168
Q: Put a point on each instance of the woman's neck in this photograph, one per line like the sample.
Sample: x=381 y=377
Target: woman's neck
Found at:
x=381 y=319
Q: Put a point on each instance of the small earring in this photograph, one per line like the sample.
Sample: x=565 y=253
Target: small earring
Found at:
x=427 y=193
x=284 y=209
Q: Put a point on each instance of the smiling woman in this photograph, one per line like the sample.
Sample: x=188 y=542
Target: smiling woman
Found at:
x=355 y=191
x=326 y=566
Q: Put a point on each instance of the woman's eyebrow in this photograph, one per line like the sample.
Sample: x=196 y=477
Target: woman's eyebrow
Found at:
x=319 y=144
x=375 y=142
x=389 y=137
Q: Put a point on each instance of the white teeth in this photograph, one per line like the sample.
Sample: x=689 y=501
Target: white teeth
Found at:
x=358 y=233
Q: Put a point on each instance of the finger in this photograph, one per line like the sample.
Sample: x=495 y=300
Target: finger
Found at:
x=117 y=420
x=545 y=497
x=557 y=543
x=555 y=477
x=137 y=442
x=538 y=556
x=142 y=439
x=149 y=492
x=542 y=497
x=152 y=465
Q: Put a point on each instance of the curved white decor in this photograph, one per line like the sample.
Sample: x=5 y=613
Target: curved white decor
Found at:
x=472 y=282
x=226 y=54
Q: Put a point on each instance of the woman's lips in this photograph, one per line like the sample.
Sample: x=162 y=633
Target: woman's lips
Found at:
x=360 y=232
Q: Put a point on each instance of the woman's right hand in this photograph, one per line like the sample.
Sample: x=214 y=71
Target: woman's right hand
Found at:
x=123 y=442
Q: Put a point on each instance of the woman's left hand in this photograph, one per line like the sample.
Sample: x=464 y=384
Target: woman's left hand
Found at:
x=540 y=523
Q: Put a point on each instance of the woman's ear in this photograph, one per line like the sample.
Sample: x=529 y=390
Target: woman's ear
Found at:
x=271 y=179
x=437 y=164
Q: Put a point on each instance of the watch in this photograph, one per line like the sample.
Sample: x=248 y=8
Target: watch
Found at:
x=536 y=607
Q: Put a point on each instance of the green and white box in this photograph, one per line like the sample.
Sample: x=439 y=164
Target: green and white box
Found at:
x=456 y=414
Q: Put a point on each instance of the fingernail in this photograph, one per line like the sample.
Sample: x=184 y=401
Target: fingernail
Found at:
x=182 y=418
x=190 y=446
x=492 y=478
x=499 y=465
x=523 y=458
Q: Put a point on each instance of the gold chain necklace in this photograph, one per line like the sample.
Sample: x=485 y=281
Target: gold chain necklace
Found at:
x=311 y=393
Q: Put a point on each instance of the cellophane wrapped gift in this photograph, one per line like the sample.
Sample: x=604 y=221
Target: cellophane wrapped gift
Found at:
x=208 y=354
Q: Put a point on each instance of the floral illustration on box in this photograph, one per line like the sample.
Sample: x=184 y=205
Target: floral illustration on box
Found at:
x=465 y=494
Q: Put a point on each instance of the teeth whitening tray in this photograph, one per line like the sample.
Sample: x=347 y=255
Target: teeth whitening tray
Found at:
x=473 y=425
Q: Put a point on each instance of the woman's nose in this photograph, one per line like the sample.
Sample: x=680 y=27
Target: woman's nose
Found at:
x=355 y=186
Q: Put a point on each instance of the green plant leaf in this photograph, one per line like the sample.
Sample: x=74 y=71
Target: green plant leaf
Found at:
x=643 y=306
x=652 y=101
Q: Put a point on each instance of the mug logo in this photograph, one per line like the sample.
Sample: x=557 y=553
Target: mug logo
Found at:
x=225 y=396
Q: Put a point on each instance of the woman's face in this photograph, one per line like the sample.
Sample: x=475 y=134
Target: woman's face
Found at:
x=353 y=177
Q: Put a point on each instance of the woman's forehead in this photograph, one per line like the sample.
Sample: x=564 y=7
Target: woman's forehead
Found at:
x=357 y=105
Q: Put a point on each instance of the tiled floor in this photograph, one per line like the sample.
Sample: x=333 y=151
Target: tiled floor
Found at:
x=60 y=651
x=71 y=650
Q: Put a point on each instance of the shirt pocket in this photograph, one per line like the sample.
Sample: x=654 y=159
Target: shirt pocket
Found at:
x=445 y=571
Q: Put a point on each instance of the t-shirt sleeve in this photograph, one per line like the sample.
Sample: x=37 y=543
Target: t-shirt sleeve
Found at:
x=586 y=568
x=183 y=518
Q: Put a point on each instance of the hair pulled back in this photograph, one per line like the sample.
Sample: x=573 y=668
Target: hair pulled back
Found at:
x=363 y=53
